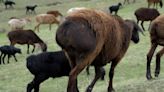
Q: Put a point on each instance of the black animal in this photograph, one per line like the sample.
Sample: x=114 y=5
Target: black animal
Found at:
x=115 y=8
x=9 y=3
x=46 y=65
x=10 y=51
x=30 y=9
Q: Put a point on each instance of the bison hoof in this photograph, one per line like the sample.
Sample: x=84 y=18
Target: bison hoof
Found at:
x=111 y=90
x=89 y=89
x=149 y=77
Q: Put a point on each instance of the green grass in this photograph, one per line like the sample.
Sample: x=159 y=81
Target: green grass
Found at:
x=129 y=74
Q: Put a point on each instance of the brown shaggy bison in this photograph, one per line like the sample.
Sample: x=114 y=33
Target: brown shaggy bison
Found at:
x=157 y=38
x=88 y=35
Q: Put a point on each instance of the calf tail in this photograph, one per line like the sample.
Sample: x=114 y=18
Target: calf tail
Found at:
x=160 y=3
x=153 y=33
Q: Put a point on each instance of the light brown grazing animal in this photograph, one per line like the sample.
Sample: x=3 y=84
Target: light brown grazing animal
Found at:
x=46 y=19
x=157 y=39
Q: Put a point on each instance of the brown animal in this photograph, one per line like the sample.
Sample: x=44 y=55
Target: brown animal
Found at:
x=128 y=1
x=155 y=3
x=46 y=19
x=55 y=13
x=146 y=14
x=89 y=34
x=157 y=38
x=26 y=37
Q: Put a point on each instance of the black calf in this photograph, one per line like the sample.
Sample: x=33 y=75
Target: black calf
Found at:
x=46 y=65
x=10 y=51
x=30 y=9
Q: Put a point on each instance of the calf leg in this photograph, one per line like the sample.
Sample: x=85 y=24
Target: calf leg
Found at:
x=8 y=58
x=97 y=76
x=15 y=58
x=149 y=58
x=36 y=82
x=158 y=56
x=3 y=59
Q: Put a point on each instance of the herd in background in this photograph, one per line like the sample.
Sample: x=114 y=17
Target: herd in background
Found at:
x=56 y=64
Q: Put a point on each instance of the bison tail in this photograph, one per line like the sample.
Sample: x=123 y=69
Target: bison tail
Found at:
x=153 y=28
x=30 y=64
x=161 y=3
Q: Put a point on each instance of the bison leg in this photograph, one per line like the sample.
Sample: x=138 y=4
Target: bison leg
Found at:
x=149 y=58
x=102 y=73
x=158 y=56
x=72 y=83
x=97 y=76
x=36 y=82
x=111 y=74
x=87 y=70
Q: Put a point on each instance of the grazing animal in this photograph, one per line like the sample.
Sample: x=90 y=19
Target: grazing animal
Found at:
x=157 y=39
x=115 y=8
x=89 y=37
x=10 y=51
x=26 y=37
x=9 y=3
x=46 y=19
x=30 y=9
x=55 y=13
x=46 y=65
x=16 y=23
x=146 y=14
x=155 y=3
x=128 y=1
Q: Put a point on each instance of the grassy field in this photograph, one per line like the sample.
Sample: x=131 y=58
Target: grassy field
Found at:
x=129 y=74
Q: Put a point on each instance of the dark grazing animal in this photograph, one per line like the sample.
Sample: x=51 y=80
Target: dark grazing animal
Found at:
x=155 y=3
x=9 y=3
x=115 y=8
x=46 y=65
x=30 y=9
x=10 y=51
x=156 y=38
x=128 y=1
x=89 y=37
x=26 y=37
x=146 y=14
